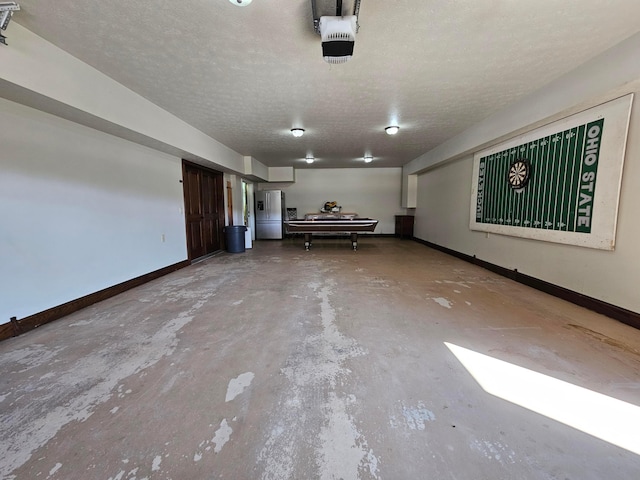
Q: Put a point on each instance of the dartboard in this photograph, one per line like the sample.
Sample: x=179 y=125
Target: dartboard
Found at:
x=519 y=173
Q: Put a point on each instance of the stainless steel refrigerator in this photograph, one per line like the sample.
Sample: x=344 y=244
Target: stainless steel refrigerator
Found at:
x=270 y=210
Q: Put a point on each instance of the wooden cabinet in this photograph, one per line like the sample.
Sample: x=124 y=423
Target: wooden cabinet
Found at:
x=404 y=226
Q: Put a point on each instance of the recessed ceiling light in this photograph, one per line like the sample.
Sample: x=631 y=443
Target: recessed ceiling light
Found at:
x=392 y=130
x=368 y=159
x=297 y=132
x=241 y=3
x=310 y=159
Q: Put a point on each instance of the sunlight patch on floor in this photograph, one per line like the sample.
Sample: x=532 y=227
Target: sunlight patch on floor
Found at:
x=604 y=417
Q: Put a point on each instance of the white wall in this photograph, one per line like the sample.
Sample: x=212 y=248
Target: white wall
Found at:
x=445 y=176
x=369 y=192
x=442 y=217
x=36 y=73
x=80 y=211
x=610 y=75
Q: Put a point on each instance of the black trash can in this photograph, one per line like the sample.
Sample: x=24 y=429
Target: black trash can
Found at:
x=234 y=238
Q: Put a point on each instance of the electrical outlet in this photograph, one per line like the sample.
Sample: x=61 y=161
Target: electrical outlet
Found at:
x=162 y=238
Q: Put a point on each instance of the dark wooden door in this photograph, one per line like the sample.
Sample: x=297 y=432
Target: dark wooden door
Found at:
x=193 y=211
x=212 y=211
x=204 y=209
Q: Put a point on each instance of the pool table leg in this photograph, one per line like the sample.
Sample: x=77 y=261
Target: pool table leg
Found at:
x=354 y=241
x=307 y=241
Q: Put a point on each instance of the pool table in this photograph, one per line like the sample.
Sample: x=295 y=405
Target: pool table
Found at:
x=349 y=226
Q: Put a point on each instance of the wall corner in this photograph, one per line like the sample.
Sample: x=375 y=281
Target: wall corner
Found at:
x=409 y=192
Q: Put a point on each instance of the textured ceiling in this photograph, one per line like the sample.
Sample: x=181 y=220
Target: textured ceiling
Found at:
x=247 y=75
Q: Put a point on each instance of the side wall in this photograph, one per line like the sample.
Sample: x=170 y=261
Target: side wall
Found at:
x=38 y=74
x=369 y=192
x=80 y=211
x=442 y=217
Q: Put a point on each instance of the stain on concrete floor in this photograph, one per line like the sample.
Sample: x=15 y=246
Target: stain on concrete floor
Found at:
x=285 y=364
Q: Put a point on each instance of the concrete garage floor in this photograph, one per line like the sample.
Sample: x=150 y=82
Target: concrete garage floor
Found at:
x=278 y=363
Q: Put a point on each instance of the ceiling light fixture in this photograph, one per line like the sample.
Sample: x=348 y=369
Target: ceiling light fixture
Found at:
x=392 y=130
x=297 y=132
x=241 y=3
x=368 y=159
x=310 y=159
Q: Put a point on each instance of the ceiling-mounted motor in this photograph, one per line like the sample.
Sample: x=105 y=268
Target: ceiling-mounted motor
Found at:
x=338 y=38
x=6 y=12
x=338 y=32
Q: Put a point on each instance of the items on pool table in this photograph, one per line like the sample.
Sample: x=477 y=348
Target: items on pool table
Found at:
x=331 y=224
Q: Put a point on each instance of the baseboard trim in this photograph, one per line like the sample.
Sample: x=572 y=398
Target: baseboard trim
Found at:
x=17 y=327
x=618 y=313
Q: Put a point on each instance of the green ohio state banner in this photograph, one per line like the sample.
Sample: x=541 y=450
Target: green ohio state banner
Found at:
x=558 y=183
